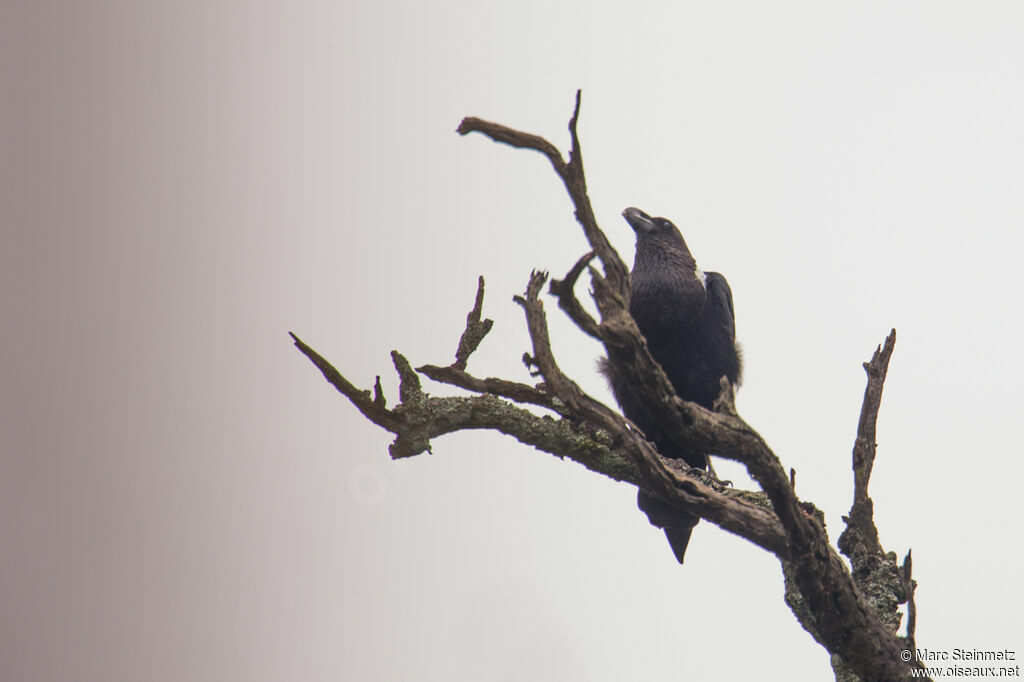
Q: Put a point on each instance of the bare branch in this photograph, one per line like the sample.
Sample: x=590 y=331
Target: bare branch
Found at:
x=864 y=448
x=575 y=151
x=513 y=138
x=572 y=176
x=555 y=381
x=419 y=418
x=456 y=374
x=423 y=418
x=615 y=269
x=520 y=393
x=374 y=410
x=567 y=301
x=475 y=329
x=882 y=583
x=875 y=572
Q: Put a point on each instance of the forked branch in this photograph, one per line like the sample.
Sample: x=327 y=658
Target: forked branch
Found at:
x=575 y=183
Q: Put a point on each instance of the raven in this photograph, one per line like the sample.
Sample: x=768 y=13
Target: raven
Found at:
x=686 y=317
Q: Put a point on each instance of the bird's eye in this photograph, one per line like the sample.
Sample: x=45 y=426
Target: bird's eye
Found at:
x=666 y=225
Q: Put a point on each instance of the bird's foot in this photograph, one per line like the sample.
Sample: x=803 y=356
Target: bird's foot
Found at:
x=713 y=477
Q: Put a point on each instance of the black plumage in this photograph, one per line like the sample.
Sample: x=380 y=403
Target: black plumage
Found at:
x=686 y=317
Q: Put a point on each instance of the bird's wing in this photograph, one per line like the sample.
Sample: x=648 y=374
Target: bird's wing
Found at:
x=720 y=301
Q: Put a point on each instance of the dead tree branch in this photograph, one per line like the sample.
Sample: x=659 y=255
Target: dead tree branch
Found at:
x=597 y=444
x=572 y=176
x=853 y=615
x=564 y=289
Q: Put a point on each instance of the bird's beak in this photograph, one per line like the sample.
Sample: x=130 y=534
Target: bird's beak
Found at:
x=638 y=220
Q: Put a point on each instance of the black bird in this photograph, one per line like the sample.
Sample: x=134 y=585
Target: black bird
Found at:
x=687 y=318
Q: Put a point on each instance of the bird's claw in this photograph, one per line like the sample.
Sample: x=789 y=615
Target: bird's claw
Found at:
x=719 y=482
x=713 y=477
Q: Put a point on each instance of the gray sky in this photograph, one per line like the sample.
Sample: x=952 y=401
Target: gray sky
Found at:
x=183 y=497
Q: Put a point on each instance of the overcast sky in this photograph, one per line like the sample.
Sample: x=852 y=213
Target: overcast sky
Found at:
x=183 y=497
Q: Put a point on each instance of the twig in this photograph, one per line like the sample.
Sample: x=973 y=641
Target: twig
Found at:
x=911 y=587
x=864 y=447
x=567 y=301
x=475 y=329
x=372 y=409
x=520 y=393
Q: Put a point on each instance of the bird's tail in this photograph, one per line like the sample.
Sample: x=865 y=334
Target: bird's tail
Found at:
x=678 y=539
x=678 y=525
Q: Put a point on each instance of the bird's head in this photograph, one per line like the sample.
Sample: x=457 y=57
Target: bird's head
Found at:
x=657 y=241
